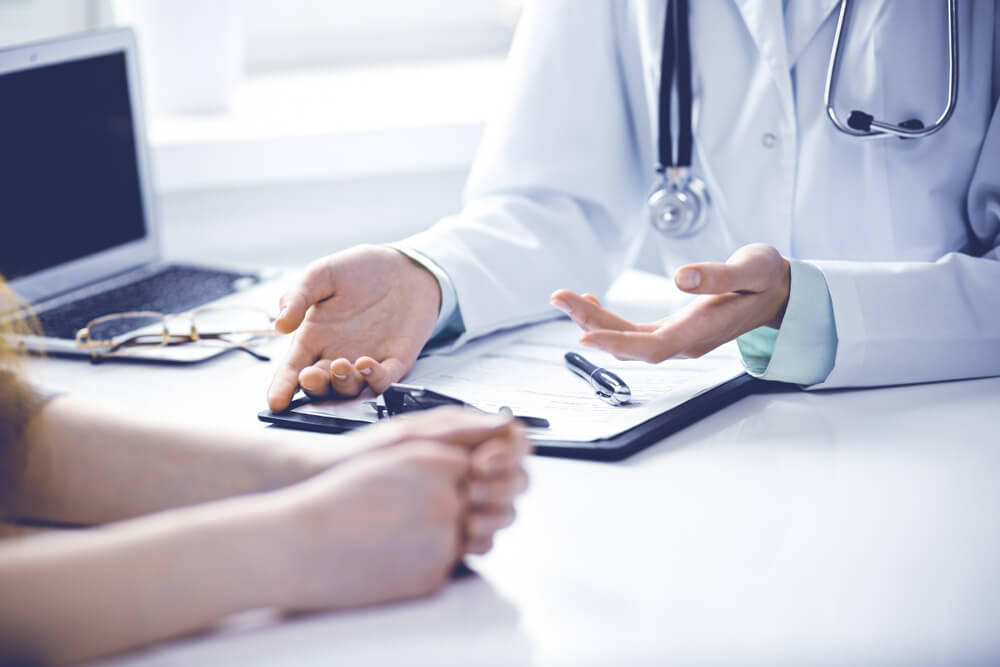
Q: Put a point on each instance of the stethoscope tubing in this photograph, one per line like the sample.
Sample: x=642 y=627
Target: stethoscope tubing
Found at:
x=882 y=129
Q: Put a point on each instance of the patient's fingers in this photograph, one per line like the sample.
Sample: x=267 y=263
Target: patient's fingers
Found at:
x=480 y=524
x=479 y=545
x=498 y=456
x=498 y=491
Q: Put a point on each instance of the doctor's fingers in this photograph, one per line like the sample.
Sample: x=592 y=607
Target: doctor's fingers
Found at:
x=379 y=375
x=588 y=314
x=700 y=328
x=345 y=379
x=285 y=382
x=315 y=285
x=632 y=345
x=679 y=335
x=755 y=268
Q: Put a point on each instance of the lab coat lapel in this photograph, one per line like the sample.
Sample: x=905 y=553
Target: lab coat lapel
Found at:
x=765 y=21
x=803 y=19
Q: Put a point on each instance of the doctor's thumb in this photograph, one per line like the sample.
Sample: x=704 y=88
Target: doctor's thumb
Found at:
x=716 y=278
x=293 y=311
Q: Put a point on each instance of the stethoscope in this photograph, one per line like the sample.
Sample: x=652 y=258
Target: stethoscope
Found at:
x=678 y=205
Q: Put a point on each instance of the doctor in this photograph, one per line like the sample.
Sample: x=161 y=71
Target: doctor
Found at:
x=851 y=261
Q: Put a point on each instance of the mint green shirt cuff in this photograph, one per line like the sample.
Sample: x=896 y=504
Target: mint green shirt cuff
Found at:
x=449 y=324
x=803 y=350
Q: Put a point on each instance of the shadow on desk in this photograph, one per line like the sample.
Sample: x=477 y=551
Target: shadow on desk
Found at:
x=825 y=419
x=731 y=417
x=468 y=623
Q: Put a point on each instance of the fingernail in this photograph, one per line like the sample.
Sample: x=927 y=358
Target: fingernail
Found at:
x=589 y=343
x=563 y=306
x=284 y=311
x=340 y=377
x=688 y=278
x=366 y=371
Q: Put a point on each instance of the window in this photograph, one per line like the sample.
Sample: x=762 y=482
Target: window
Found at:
x=319 y=33
x=30 y=20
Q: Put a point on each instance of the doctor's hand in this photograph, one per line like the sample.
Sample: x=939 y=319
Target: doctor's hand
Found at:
x=360 y=317
x=748 y=291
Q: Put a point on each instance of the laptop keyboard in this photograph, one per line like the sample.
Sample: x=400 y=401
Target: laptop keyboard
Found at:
x=175 y=289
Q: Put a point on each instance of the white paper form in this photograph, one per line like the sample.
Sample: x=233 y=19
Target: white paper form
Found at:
x=525 y=371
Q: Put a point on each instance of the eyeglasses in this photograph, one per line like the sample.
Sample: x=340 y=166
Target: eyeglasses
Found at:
x=123 y=334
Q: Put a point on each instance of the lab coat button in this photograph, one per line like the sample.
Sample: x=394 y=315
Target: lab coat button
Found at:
x=768 y=140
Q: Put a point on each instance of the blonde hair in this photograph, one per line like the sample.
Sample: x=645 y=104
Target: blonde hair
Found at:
x=13 y=322
x=17 y=398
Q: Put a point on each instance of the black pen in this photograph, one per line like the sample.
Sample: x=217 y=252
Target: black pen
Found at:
x=608 y=386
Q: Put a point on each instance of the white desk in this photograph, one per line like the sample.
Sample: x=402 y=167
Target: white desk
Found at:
x=802 y=528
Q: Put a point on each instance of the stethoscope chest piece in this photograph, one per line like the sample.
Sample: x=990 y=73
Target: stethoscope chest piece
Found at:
x=678 y=206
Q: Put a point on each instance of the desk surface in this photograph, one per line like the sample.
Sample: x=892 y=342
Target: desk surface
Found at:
x=794 y=528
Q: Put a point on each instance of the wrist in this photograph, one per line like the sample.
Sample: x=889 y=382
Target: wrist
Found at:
x=292 y=458
x=784 y=291
x=424 y=276
x=255 y=531
x=296 y=524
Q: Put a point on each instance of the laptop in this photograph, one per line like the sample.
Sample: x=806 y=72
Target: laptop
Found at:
x=79 y=235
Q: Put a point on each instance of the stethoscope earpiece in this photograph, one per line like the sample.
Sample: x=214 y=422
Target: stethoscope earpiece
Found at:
x=862 y=122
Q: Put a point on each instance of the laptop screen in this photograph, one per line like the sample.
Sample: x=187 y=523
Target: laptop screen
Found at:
x=69 y=181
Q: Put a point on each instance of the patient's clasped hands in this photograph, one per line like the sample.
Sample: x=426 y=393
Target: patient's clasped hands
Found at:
x=432 y=488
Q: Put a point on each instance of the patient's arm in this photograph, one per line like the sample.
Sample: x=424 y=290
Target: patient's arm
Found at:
x=389 y=523
x=78 y=464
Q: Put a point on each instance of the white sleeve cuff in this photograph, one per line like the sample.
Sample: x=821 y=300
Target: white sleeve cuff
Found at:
x=806 y=344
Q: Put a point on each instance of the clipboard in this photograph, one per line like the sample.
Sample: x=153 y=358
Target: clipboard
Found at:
x=615 y=448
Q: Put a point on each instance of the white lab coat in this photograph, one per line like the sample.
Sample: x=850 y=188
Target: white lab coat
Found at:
x=905 y=232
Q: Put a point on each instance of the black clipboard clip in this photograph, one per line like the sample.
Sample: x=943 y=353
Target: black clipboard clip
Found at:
x=402 y=398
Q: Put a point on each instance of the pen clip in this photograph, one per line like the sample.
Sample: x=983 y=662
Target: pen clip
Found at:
x=608 y=386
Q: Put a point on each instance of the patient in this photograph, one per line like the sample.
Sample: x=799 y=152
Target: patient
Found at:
x=188 y=525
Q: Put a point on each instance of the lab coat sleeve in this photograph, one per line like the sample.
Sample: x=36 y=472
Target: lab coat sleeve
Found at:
x=803 y=350
x=904 y=322
x=551 y=199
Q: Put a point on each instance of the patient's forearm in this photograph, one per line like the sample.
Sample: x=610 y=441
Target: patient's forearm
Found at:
x=81 y=594
x=79 y=465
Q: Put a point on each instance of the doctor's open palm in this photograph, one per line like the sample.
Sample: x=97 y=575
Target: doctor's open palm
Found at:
x=749 y=290
x=360 y=316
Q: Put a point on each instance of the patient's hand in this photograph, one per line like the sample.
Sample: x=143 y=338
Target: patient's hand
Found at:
x=392 y=522
x=360 y=317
